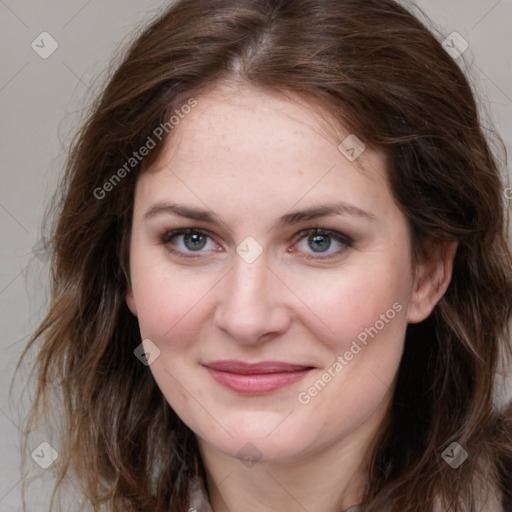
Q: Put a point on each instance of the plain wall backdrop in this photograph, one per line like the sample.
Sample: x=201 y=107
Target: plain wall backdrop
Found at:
x=42 y=102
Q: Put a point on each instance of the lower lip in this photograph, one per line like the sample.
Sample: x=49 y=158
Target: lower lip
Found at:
x=257 y=383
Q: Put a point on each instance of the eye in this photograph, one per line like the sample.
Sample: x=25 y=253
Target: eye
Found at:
x=188 y=240
x=319 y=241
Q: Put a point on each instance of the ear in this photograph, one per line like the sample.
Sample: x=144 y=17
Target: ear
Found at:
x=130 y=300
x=432 y=277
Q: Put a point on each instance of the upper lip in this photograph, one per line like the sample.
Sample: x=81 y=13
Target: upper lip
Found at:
x=254 y=368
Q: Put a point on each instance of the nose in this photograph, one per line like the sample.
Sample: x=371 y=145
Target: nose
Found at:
x=251 y=303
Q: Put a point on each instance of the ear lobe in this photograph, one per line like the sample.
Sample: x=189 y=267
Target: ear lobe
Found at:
x=433 y=275
x=130 y=300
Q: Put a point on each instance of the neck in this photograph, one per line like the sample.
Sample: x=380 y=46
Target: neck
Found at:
x=330 y=479
x=329 y=482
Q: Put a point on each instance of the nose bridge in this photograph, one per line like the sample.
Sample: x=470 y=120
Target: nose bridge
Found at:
x=249 y=305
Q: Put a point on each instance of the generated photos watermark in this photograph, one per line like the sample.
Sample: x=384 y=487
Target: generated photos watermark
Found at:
x=249 y=454
x=44 y=45
x=454 y=455
x=145 y=149
x=147 y=352
x=351 y=147
x=455 y=45
x=357 y=345
x=44 y=455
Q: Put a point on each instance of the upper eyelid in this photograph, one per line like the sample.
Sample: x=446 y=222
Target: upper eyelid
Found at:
x=183 y=231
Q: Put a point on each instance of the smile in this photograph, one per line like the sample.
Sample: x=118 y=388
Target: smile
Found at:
x=256 y=378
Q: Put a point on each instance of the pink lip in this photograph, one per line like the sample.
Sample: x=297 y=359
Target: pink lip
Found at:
x=256 y=378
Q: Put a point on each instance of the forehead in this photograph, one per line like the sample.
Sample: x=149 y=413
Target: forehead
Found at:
x=241 y=115
x=251 y=145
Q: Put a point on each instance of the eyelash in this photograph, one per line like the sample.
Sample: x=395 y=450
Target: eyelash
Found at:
x=339 y=237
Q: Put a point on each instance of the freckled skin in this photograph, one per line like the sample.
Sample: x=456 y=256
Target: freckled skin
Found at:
x=251 y=158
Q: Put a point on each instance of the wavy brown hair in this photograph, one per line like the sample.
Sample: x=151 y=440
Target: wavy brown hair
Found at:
x=386 y=78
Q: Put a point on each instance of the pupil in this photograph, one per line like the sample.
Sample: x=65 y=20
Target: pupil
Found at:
x=320 y=243
x=197 y=241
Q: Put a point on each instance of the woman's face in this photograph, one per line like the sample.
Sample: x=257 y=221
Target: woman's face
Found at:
x=251 y=176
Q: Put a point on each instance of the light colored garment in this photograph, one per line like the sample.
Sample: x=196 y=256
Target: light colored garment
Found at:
x=198 y=499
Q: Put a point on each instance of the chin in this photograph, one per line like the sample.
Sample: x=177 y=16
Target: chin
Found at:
x=262 y=439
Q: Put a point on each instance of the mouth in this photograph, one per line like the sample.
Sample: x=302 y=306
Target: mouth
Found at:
x=256 y=378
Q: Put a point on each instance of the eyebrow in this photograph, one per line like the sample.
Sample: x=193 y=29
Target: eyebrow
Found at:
x=289 y=219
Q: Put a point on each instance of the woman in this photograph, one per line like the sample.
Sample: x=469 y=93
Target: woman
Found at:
x=280 y=274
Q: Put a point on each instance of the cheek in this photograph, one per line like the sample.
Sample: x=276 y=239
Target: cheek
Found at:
x=172 y=310
x=172 y=303
x=363 y=313
x=348 y=303
x=366 y=315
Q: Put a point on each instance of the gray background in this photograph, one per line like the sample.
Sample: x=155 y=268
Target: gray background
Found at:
x=42 y=102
